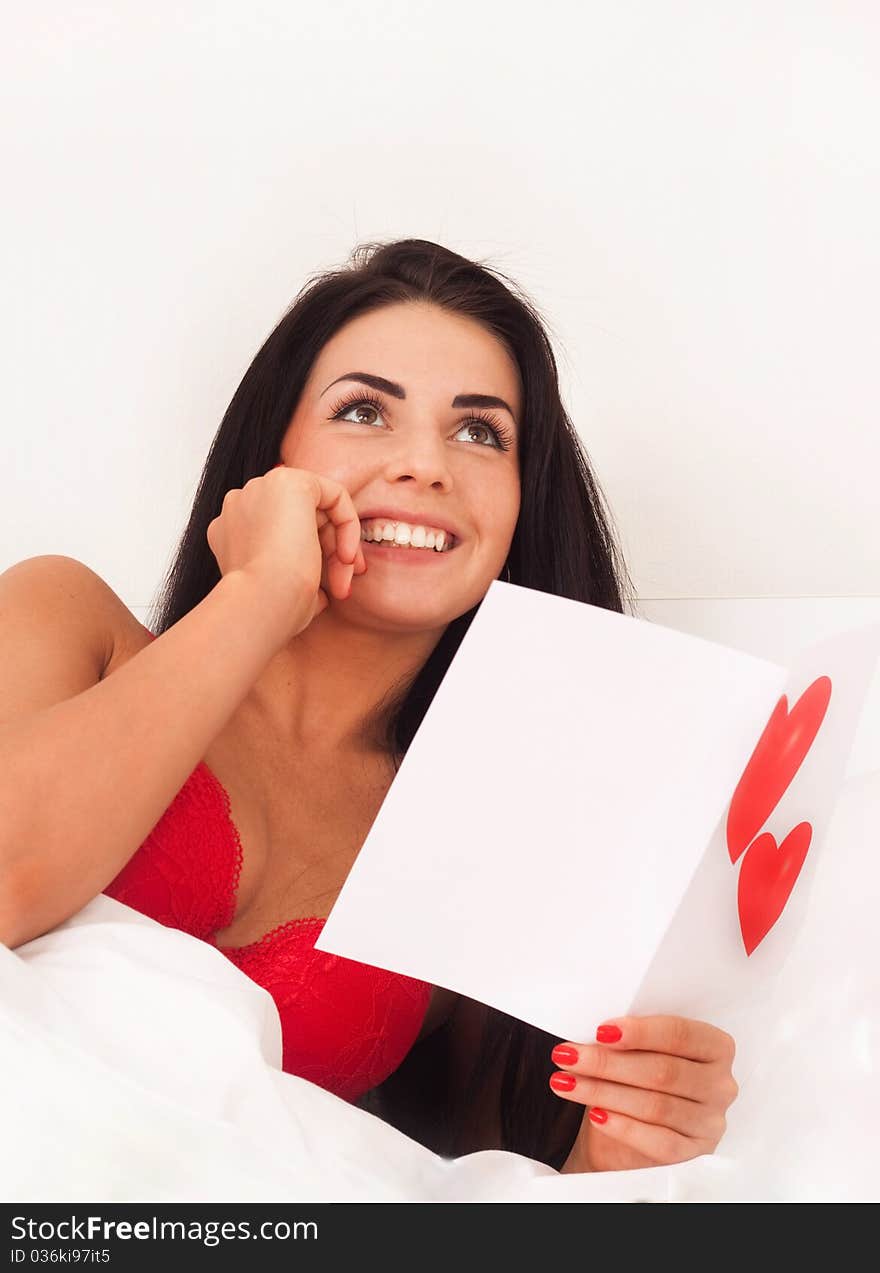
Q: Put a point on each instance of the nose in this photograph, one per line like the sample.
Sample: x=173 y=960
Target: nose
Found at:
x=421 y=458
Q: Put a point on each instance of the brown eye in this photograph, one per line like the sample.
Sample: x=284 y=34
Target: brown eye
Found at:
x=502 y=438
x=365 y=406
x=359 y=401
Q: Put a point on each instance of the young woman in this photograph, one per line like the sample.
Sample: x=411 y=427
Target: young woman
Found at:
x=397 y=443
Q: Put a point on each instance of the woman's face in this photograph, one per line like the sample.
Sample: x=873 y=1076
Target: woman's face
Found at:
x=407 y=450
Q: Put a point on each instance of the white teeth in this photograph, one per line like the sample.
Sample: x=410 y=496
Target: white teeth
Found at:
x=402 y=535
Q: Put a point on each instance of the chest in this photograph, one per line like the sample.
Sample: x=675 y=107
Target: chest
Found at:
x=301 y=825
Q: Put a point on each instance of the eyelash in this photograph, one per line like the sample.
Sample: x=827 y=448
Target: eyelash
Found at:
x=502 y=435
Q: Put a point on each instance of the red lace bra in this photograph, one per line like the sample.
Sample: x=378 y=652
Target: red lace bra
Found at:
x=345 y=1025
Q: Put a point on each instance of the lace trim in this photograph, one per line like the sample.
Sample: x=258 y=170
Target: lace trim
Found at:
x=272 y=935
x=236 y=876
x=282 y=928
x=238 y=859
x=238 y=855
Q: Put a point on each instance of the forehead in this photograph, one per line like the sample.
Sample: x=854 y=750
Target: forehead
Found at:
x=421 y=346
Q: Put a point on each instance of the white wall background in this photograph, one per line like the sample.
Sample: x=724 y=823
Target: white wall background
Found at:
x=688 y=189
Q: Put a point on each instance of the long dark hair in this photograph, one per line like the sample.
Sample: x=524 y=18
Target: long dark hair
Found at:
x=563 y=544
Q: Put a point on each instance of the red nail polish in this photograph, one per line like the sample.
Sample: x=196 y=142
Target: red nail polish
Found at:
x=609 y=1034
x=563 y=1055
x=562 y=1082
x=598 y=1115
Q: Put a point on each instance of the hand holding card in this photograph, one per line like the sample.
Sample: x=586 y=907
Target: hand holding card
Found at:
x=657 y=1091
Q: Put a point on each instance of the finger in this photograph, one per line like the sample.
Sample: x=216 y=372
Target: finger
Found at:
x=658 y=1144
x=334 y=500
x=347 y=572
x=327 y=539
x=335 y=574
x=360 y=564
x=690 y=1118
x=653 y=1071
x=338 y=577
x=678 y=1036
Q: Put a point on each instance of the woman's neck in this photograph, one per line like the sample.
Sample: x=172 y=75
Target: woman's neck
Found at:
x=329 y=689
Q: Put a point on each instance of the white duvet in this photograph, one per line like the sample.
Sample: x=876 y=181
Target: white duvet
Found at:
x=138 y=1064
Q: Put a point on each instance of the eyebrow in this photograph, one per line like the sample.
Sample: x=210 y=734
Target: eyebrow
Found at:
x=397 y=391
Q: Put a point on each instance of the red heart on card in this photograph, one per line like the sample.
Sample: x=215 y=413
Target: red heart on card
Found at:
x=780 y=752
x=766 y=878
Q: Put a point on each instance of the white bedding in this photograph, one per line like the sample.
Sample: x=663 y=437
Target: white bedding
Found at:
x=138 y=1064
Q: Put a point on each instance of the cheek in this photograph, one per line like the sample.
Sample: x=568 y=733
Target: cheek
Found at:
x=302 y=448
x=504 y=508
x=494 y=503
x=318 y=454
x=495 y=528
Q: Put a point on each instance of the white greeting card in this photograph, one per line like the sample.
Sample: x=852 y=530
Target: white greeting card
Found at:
x=555 y=841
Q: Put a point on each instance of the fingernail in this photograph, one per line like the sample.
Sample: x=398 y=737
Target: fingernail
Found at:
x=563 y=1055
x=562 y=1082
x=598 y=1115
x=609 y=1034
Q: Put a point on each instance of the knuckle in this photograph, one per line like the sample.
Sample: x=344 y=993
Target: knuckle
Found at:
x=728 y=1046
x=731 y=1090
x=598 y=1059
x=626 y=1130
x=672 y=1147
x=680 y=1033
x=590 y=1092
x=661 y=1147
x=658 y=1108
x=666 y=1071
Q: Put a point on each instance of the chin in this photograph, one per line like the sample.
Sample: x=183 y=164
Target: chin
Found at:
x=401 y=613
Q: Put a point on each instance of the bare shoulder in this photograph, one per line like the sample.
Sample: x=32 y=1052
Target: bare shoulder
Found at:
x=129 y=637
x=60 y=624
x=55 y=593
